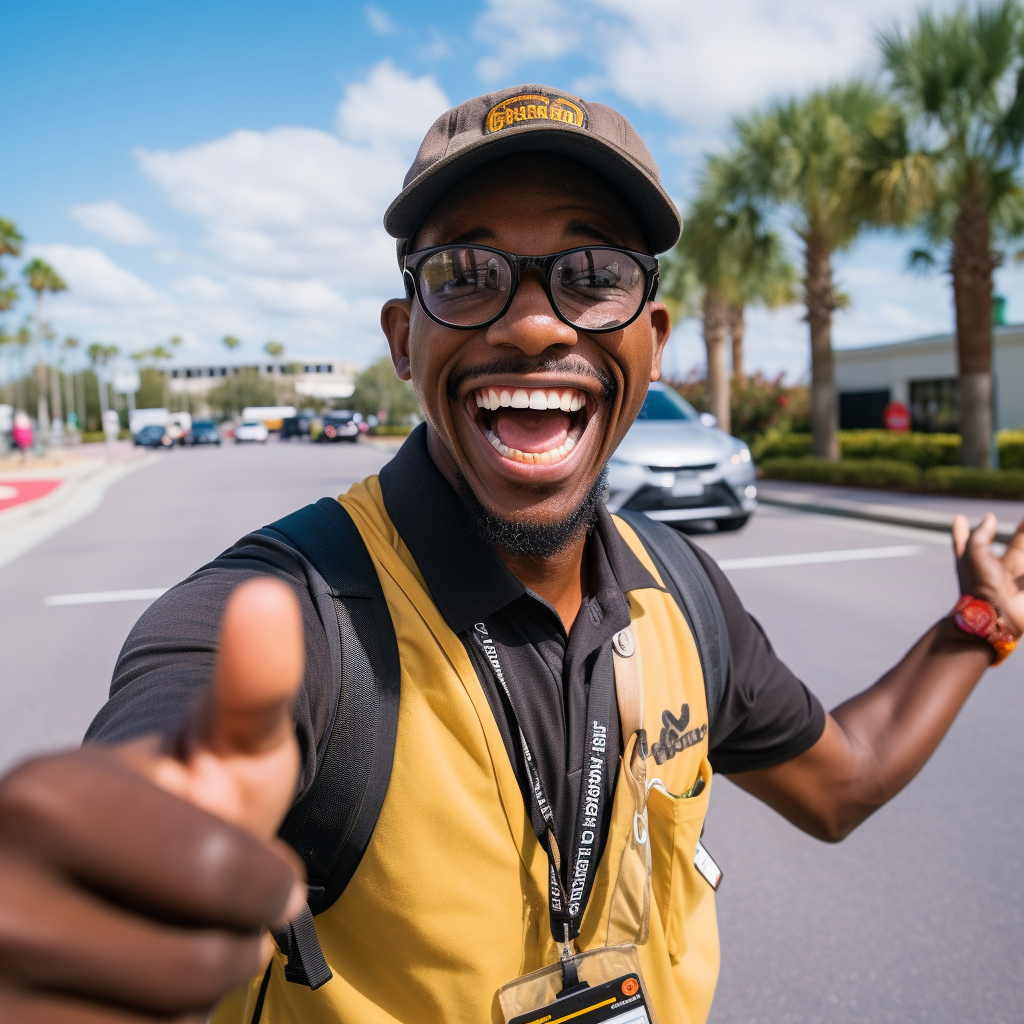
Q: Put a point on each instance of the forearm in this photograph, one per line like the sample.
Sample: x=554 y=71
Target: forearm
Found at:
x=876 y=742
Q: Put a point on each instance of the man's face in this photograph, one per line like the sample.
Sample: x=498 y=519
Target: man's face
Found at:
x=527 y=464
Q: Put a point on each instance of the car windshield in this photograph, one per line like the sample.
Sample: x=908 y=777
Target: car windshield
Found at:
x=200 y=425
x=250 y=424
x=666 y=405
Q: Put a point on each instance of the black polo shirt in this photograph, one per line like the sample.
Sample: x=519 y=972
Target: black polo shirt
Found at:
x=766 y=716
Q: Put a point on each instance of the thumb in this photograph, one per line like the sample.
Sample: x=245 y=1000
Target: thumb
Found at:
x=259 y=669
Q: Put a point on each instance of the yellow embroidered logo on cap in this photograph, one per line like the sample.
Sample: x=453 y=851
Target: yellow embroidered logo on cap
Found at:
x=535 y=108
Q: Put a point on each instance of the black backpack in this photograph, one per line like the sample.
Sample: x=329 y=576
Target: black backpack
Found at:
x=331 y=825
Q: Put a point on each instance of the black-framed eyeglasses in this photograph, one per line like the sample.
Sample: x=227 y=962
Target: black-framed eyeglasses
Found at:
x=595 y=288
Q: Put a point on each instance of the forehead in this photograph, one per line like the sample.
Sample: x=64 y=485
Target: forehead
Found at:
x=534 y=192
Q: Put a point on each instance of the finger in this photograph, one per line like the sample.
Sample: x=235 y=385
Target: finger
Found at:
x=60 y=938
x=961 y=531
x=95 y=820
x=984 y=533
x=259 y=669
x=42 y=1008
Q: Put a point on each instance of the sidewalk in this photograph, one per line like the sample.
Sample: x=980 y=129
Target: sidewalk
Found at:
x=42 y=496
x=924 y=511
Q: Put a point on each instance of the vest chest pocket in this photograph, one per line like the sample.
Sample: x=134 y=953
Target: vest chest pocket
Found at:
x=675 y=825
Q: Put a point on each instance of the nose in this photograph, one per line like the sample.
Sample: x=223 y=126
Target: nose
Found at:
x=530 y=323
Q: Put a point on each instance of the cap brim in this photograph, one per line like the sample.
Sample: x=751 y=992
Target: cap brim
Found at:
x=656 y=213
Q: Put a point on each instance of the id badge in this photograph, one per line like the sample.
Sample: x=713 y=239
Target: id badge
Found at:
x=610 y=990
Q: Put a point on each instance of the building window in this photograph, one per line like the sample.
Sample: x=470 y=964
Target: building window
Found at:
x=862 y=410
x=933 y=405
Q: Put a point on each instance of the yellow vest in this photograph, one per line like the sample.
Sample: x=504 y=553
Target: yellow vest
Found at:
x=450 y=900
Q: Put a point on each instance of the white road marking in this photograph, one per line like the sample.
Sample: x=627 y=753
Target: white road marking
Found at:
x=818 y=557
x=106 y=596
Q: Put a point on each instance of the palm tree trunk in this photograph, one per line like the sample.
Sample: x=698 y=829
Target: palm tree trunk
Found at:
x=42 y=410
x=715 y=317
x=821 y=303
x=738 y=328
x=971 y=267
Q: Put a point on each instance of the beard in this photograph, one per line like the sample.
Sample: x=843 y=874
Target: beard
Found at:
x=533 y=540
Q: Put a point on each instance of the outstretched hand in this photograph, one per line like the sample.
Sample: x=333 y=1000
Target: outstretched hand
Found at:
x=985 y=575
x=136 y=881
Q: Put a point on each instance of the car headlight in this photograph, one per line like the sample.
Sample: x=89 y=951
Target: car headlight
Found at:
x=743 y=455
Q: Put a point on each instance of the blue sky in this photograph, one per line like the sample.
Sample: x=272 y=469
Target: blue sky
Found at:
x=222 y=167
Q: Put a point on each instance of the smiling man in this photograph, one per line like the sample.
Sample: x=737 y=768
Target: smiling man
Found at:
x=527 y=853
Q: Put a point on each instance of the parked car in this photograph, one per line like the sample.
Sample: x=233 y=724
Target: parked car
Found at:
x=252 y=431
x=676 y=466
x=203 y=432
x=338 y=426
x=154 y=436
x=296 y=426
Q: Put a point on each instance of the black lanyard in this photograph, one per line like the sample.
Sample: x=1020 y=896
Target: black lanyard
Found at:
x=568 y=899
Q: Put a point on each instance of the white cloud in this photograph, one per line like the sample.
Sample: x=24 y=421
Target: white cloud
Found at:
x=390 y=107
x=292 y=246
x=112 y=221
x=695 y=61
x=379 y=21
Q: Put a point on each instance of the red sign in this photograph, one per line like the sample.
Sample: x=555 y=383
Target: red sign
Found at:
x=896 y=416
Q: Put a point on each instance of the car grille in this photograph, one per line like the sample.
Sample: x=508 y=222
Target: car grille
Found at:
x=678 y=469
x=656 y=499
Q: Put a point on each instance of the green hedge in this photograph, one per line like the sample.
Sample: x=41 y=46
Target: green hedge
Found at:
x=981 y=483
x=859 y=472
x=922 y=450
x=1011 y=449
x=391 y=430
x=888 y=473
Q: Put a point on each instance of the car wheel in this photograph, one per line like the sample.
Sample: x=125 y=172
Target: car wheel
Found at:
x=732 y=523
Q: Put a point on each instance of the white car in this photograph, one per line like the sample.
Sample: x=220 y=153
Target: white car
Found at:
x=252 y=431
x=676 y=466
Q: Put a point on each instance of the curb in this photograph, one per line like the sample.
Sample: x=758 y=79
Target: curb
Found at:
x=894 y=515
x=25 y=526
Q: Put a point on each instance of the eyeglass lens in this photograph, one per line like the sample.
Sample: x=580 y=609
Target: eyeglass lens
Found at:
x=594 y=289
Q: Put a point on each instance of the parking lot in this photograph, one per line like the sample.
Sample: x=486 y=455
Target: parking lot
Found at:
x=919 y=916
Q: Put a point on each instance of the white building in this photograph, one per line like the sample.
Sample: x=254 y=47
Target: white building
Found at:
x=922 y=374
x=318 y=378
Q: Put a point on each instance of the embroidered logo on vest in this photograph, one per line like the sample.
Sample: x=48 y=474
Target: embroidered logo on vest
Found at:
x=675 y=736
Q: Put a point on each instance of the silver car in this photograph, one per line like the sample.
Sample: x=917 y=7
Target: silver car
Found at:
x=676 y=466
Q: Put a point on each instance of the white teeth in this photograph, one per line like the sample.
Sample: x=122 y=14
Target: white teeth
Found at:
x=568 y=400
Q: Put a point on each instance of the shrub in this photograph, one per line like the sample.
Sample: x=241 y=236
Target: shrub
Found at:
x=922 y=450
x=980 y=483
x=856 y=472
x=1011 y=449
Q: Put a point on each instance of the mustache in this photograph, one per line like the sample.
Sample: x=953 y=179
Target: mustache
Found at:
x=575 y=366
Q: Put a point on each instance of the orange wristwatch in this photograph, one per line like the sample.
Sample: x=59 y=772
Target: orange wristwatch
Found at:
x=979 y=618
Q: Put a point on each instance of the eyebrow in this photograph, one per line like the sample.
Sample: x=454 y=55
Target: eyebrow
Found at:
x=576 y=227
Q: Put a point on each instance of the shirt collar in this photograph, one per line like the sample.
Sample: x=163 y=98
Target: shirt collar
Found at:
x=466 y=579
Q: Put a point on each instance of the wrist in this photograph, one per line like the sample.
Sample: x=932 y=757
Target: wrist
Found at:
x=979 y=618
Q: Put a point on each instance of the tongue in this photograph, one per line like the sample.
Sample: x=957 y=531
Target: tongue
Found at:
x=531 y=431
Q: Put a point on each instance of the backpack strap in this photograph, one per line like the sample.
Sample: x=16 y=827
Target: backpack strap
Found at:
x=690 y=585
x=330 y=826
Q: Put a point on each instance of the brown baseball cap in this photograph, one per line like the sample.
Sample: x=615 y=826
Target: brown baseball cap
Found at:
x=535 y=119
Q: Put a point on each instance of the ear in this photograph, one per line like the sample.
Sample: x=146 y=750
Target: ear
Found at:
x=394 y=321
x=661 y=328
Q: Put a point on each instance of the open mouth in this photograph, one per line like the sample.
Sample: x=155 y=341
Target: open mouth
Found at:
x=532 y=426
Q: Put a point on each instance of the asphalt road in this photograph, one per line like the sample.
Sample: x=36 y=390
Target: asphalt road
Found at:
x=919 y=916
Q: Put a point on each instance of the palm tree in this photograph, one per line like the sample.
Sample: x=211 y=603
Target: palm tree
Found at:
x=42 y=278
x=275 y=350
x=99 y=355
x=231 y=342
x=837 y=162
x=960 y=77
x=69 y=346
x=728 y=258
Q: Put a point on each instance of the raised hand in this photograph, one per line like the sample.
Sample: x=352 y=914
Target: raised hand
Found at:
x=983 y=574
x=136 y=881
